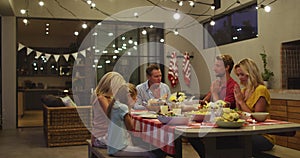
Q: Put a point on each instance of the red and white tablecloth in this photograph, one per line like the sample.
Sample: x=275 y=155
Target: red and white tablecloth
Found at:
x=154 y=132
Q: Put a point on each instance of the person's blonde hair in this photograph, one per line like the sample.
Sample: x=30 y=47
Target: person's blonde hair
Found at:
x=109 y=84
x=249 y=67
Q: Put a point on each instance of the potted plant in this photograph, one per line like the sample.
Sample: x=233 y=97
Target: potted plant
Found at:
x=267 y=73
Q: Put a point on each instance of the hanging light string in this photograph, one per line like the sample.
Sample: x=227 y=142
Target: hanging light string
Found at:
x=157 y=4
x=66 y=9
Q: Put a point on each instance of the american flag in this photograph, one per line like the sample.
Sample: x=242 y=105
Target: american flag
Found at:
x=173 y=70
x=186 y=69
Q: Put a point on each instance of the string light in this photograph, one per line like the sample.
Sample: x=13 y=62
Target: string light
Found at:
x=180 y=3
x=192 y=3
x=267 y=9
x=41 y=3
x=93 y=5
x=89 y=2
x=23 y=11
x=130 y=41
x=144 y=32
x=84 y=26
x=212 y=22
x=176 y=32
x=25 y=21
x=76 y=33
x=176 y=15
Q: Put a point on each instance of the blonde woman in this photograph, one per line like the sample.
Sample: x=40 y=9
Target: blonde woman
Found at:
x=254 y=97
x=106 y=88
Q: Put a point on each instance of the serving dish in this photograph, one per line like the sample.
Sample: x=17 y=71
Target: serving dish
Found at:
x=230 y=124
x=173 y=120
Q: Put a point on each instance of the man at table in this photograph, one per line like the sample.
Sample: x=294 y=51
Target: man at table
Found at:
x=153 y=88
x=222 y=87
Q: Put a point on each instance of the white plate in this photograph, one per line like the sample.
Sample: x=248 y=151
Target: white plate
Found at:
x=139 y=112
x=149 y=116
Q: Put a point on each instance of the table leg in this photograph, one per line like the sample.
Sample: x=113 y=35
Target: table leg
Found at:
x=210 y=147
x=178 y=147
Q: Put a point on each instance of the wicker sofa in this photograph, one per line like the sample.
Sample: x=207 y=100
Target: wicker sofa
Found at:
x=64 y=126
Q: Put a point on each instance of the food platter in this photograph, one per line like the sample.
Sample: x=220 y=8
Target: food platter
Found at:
x=230 y=124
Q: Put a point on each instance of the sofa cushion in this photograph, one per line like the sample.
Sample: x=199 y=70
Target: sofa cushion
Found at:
x=52 y=101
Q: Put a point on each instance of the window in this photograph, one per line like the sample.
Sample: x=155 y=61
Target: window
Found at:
x=290 y=57
x=233 y=27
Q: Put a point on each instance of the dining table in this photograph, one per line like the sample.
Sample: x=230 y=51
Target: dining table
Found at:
x=219 y=142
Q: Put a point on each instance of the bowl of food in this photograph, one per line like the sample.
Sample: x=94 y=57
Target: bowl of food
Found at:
x=173 y=120
x=260 y=116
x=201 y=117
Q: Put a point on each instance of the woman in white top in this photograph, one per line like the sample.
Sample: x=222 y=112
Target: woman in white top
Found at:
x=107 y=86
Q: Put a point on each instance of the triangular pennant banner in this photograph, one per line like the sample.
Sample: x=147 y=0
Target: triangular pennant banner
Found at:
x=29 y=51
x=83 y=52
x=47 y=56
x=66 y=56
x=75 y=55
x=56 y=57
x=20 y=46
x=38 y=54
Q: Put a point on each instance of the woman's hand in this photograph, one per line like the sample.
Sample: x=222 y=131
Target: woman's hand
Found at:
x=238 y=95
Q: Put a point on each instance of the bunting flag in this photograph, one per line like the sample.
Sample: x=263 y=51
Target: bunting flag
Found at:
x=29 y=51
x=186 y=69
x=83 y=52
x=56 y=57
x=20 y=46
x=48 y=55
x=173 y=70
x=38 y=54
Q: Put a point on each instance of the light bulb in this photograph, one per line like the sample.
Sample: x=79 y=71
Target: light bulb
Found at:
x=176 y=16
x=41 y=3
x=89 y=2
x=130 y=41
x=93 y=5
x=212 y=7
x=212 y=23
x=76 y=33
x=23 y=11
x=84 y=26
x=180 y=3
x=162 y=40
x=267 y=9
x=144 y=32
x=192 y=3
x=25 y=21
x=176 y=32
